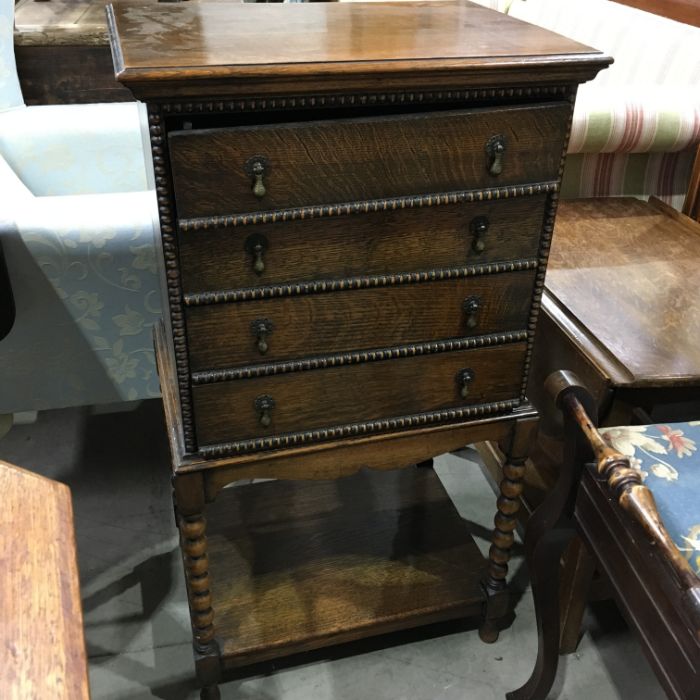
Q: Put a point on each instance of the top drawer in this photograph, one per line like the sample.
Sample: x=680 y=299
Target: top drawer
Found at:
x=252 y=168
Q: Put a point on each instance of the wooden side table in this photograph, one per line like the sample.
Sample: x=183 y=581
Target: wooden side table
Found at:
x=621 y=310
x=42 y=648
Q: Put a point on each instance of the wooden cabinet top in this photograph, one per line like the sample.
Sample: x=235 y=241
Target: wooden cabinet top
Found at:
x=280 y=47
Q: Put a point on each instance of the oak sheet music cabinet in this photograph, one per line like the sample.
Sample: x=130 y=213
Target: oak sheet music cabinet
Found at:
x=356 y=204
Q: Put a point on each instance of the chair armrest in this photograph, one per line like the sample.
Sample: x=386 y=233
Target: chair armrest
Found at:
x=77 y=149
x=84 y=275
x=622 y=481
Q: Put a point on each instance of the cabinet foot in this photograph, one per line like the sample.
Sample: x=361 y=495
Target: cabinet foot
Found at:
x=210 y=692
x=488 y=632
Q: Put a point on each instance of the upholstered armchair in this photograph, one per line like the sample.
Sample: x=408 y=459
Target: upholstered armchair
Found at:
x=77 y=226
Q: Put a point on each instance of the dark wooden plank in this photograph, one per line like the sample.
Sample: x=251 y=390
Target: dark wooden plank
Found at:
x=221 y=48
x=297 y=566
x=403 y=240
x=225 y=411
x=42 y=648
x=228 y=335
x=67 y=75
x=344 y=160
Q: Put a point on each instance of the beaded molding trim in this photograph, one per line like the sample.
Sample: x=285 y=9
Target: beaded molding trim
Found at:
x=366 y=207
x=543 y=253
x=227 y=296
x=350 y=358
x=172 y=272
x=360 y=100
x=356 y=429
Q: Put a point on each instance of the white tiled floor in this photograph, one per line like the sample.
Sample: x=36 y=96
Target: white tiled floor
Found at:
x=136 y=621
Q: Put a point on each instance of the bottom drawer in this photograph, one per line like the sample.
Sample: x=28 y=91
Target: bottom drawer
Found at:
x=309 y=400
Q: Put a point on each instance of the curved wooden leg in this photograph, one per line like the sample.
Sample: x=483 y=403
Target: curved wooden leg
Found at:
x=544 y=549
x=577 y=572
x=210 y=692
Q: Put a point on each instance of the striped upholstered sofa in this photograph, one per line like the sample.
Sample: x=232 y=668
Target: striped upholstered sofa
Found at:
x=637 y=125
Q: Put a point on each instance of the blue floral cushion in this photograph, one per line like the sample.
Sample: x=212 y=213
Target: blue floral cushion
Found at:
x=668 y=459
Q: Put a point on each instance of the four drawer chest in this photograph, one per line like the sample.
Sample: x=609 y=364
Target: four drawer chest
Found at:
x=356 y=204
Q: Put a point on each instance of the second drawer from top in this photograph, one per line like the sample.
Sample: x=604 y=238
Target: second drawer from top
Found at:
x=376 y=243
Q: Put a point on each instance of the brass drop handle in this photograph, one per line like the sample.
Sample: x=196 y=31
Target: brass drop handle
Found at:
x=464 y=379
x=263 y=406
x=261 y=329
x=257 y=167
x=471 y=306
x=495 y=150
x=256 y=245
x=479 y=227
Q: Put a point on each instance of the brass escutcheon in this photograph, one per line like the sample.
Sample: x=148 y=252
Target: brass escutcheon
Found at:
x=256 y=245
x=263 y=406
x=495 y=150
x=479 y=226
x=257 y=167
x=464 y=378
x=471 y=306
x=261 y=329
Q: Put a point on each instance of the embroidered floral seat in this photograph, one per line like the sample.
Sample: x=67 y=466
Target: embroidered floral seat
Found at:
x=667 y=457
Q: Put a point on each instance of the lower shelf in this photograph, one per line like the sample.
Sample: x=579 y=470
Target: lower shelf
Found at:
x=297 y=566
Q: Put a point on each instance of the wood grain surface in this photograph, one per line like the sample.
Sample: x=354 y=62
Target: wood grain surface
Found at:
x=296 y=566
x=42 y=649
x=221 y=335
x=225 y=411
x=344 y=160
x=286 y=45
x=403 y=240
x=627 y=273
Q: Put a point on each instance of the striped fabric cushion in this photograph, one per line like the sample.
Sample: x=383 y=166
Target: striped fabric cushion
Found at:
x=649 y=99
x=665 y=175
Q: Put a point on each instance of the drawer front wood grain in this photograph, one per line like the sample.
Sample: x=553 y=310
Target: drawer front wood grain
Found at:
x=346 y=160
x=226 y=411
x=404 y=240
x=268 y=330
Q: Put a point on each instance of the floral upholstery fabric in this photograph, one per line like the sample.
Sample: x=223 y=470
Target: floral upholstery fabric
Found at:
x=668 y=459
x=76 y=149
x=84 y=276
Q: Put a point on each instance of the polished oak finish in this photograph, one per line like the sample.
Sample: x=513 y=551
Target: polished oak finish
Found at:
x=355 y=228
x=229 y=335
x=363 y=392
x=384 y=242
x=620 y=311
x=648 y=261
x=42 y=648
x=330 y=558
x=238 y=49
x=343 y=160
